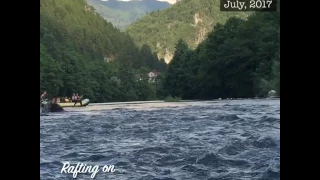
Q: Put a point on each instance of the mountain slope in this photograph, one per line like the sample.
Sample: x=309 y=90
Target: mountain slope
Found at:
x=240 y=59
x=75 y=46
x=123 y=13
x=189 y=20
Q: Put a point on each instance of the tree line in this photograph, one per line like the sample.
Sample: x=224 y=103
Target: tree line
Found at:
x=240 y=59
x=82 y=53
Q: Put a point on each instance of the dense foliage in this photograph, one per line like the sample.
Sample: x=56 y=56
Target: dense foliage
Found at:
x=82 y=53
x=189 y=20
x=239 y=59
x=123 y=13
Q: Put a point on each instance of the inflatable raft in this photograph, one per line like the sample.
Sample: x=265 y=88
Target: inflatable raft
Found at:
x=85 y=102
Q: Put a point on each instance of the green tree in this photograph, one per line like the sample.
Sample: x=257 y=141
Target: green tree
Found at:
x=82 y=53
x=239 y=59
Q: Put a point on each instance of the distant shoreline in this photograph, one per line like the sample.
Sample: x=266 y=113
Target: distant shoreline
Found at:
x=162 y=101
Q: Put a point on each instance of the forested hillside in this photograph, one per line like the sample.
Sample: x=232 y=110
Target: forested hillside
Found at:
x=123 y=13
x=82 y=53
x=239 y=59
x=189 y=20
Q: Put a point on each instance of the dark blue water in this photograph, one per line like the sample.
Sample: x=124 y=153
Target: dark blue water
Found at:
x=229 y=140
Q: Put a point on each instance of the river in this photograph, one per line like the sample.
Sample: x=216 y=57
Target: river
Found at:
x=211 y=140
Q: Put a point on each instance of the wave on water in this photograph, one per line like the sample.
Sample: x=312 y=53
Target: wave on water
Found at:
x=233 y=140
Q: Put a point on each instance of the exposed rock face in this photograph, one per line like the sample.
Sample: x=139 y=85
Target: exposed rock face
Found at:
x=188 y=20
x=201 y=36
x=197 y=19
x=168 y=56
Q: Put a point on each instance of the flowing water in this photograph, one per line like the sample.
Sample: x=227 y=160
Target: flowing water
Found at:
x=227 y=140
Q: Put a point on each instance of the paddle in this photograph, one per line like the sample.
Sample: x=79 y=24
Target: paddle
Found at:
x=44 y=101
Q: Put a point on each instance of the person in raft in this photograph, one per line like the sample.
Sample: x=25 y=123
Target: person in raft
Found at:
x=77 y=99
x=43 y=96
x=73 y=98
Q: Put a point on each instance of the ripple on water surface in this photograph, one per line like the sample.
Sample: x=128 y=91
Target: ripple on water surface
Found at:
x=202 y=140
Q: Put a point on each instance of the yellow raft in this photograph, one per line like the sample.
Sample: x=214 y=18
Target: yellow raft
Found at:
x=85 y=102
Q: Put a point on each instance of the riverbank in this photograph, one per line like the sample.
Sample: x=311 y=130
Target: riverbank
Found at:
x=163 y=101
